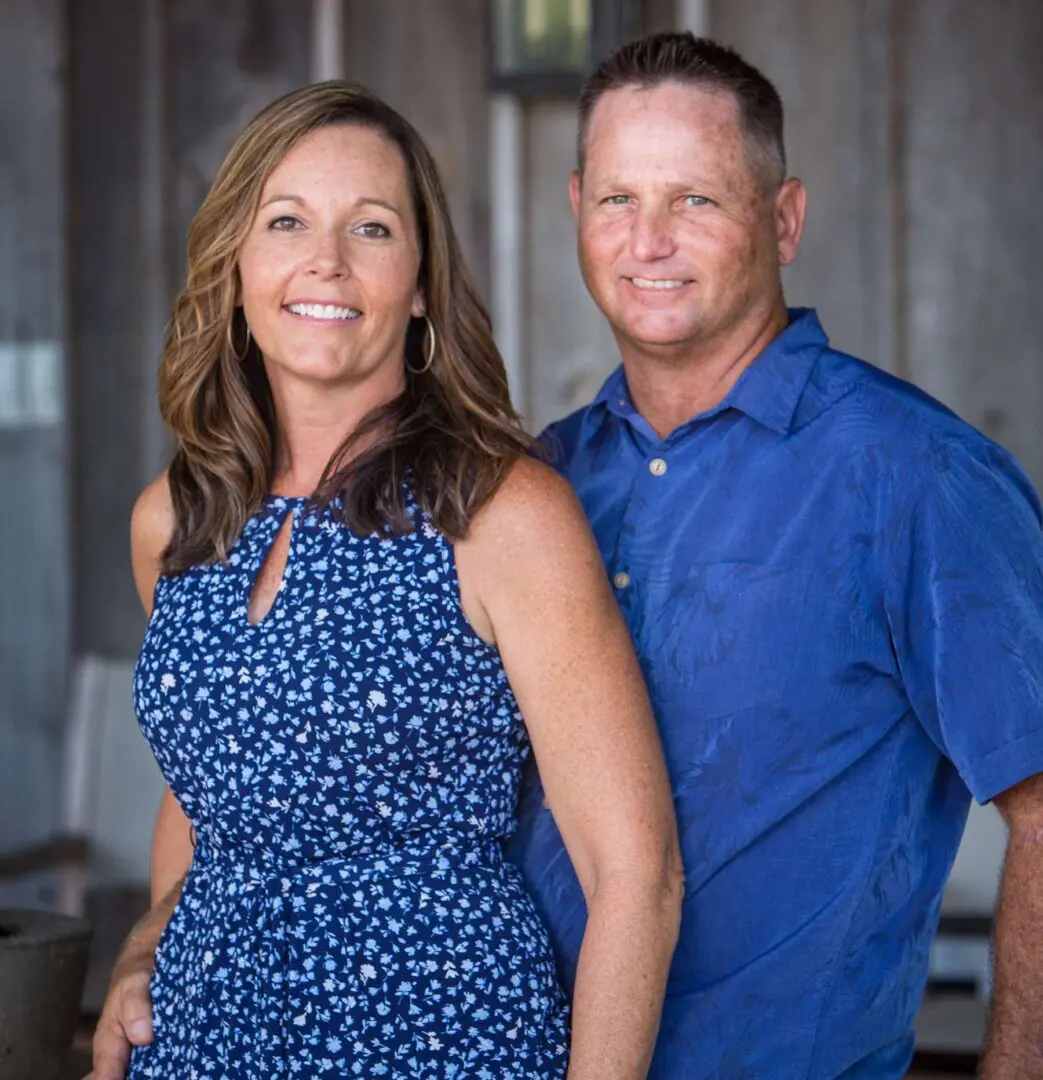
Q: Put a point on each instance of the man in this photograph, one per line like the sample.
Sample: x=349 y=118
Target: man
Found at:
x=835 y=587
x=836 y=591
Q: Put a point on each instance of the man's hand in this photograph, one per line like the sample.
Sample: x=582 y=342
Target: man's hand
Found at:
x=126 y=1018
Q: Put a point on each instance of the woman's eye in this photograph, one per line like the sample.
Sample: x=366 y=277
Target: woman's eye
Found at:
x=283 y=224
x=373 y=229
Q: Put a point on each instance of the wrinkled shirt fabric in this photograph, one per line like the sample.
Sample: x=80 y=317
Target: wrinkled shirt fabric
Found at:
x=835 y=588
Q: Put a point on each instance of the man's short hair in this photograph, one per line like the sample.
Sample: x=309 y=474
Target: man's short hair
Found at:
x=694 y=61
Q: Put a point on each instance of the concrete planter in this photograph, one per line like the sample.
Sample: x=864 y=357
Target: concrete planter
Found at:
x=43 y=961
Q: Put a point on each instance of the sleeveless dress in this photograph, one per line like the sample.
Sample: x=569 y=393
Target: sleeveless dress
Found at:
x=350 y=766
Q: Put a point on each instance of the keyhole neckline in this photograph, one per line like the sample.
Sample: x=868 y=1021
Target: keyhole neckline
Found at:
x=288 y=510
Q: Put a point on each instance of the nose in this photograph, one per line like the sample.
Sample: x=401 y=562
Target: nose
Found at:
x=651 y=237
x=328 y=259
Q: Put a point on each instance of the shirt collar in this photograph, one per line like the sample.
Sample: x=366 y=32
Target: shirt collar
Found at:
x=768 y=391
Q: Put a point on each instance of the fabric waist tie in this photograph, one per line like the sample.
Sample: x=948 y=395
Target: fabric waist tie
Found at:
x=267 y=888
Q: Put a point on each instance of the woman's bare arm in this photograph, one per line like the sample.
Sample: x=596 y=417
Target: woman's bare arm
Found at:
x=532 y=580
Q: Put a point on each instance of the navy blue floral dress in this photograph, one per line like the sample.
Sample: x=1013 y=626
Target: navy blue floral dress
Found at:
x=350 y=765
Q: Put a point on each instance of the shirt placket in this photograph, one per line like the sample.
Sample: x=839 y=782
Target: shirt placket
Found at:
x=649 y=486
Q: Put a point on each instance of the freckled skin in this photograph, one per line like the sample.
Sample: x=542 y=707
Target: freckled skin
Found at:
x=658 y=148
x=317 y=236
x=648 y=151
x=328 y=242
x=1015 y=1038
x=669 y=191
x=529 y=552
x=532 y=580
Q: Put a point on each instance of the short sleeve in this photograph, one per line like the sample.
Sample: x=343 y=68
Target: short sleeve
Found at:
x=559 y=441
x=964 y=598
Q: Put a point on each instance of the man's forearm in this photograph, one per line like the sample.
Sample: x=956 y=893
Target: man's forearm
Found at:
x=1015 y=1038
x=139 y=949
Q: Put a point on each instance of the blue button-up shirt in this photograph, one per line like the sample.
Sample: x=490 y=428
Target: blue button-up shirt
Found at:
x=835 y=588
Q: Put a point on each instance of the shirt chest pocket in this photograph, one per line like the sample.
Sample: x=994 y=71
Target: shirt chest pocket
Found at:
x=724 y=637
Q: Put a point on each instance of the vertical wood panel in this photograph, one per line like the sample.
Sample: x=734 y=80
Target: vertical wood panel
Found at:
x=112 y=345
x=34 y=575
x=227 y=61
x=830 y=63
x=571 y=349
x=160 y=90
x=429 y=61
x=975 y=243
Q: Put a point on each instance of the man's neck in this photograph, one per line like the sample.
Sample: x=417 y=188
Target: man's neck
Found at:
x=668 y=390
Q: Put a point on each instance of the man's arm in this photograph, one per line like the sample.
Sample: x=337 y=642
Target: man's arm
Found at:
x=964 y=600
x=1015 y=1036
x=126 y=1017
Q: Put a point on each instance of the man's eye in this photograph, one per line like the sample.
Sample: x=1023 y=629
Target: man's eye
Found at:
x=696 y=200
x=373 y=229
x=617 y=200
x=283 y=224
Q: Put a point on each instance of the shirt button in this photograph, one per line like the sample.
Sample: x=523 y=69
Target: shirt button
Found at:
x=657 y=466
x=621 y=580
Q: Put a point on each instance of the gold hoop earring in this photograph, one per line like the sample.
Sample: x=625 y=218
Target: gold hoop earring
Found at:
x=430 y=342
x=231 y=344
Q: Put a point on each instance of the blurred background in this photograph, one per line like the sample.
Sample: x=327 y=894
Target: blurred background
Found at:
x=917 y=126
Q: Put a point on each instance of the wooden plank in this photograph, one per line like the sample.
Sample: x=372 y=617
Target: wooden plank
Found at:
x=34 y=612
x=429 y=61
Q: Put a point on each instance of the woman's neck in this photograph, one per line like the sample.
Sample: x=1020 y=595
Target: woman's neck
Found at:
x=312 y=422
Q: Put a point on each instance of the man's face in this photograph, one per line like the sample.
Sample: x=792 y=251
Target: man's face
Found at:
x=680 y=239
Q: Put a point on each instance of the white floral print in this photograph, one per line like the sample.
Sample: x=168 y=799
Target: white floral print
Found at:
x=350 y=765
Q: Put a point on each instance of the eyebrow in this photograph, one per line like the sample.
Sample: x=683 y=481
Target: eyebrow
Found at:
x=366 y=200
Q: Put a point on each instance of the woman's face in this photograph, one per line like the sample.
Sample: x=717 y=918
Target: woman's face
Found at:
x=328 y=269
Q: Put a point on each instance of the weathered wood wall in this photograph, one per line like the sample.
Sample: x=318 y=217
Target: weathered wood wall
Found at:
x=34 y=515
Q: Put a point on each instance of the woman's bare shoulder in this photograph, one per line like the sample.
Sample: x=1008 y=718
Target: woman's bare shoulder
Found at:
x=151 y=526
x=532 y=504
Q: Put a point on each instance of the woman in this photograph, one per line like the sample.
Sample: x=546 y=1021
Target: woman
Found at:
x=358 y=580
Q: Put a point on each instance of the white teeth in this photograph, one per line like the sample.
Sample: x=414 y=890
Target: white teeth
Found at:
x=324 y=311
x=651 y=283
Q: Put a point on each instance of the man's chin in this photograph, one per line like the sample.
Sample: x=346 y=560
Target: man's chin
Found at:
x=659 y=336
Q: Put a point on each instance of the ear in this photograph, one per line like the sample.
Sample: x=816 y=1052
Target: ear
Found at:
x=419 y=306
x=790 y=205
x=575 y=192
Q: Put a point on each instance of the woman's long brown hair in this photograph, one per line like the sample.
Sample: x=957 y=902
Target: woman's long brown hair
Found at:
x=449 y=438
